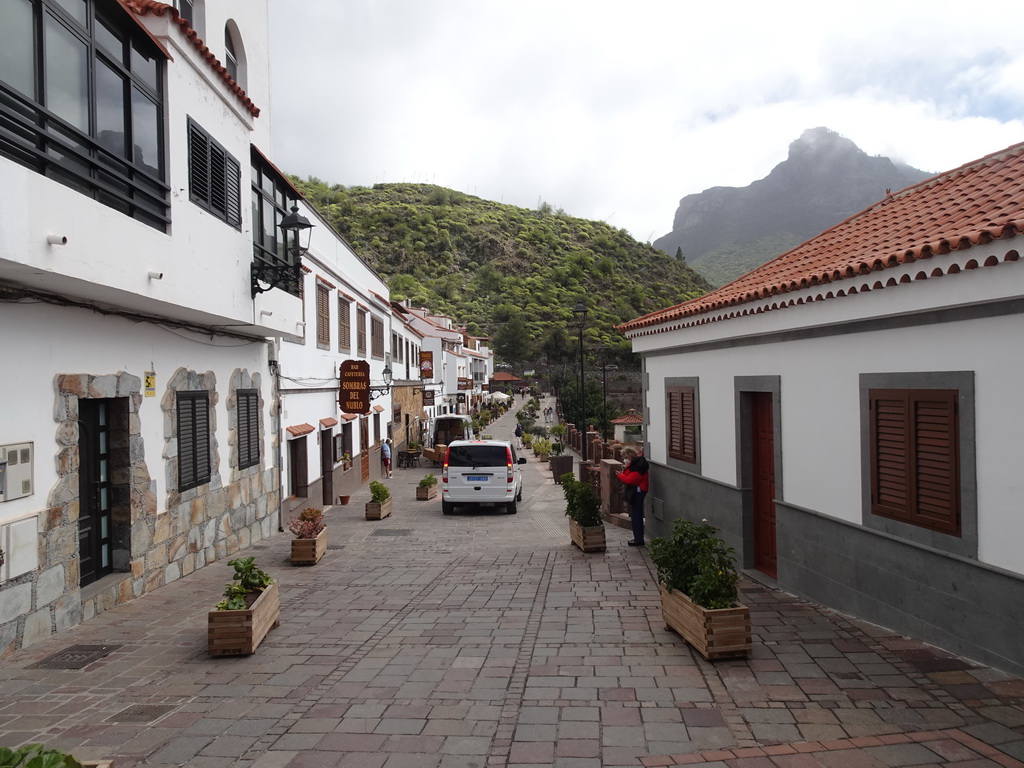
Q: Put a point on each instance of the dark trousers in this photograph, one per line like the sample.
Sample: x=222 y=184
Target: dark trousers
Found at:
x=636 y=515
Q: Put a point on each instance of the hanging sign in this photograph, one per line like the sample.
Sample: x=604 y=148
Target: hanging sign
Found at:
x=426 y=365
x=465 y=383
x=428 y=397
x=354 y=386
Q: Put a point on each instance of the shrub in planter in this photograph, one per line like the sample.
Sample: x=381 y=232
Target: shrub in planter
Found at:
x=583 y=508
x=427 y=488
x=37 y=756
x=310 y=542
x=379 y=505
x=250 y=609
x=700 y=590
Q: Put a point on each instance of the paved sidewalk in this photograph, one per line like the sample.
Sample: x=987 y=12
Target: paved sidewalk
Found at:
x=484 y=640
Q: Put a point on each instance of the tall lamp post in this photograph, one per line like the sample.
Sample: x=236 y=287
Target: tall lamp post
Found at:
x=580 y=313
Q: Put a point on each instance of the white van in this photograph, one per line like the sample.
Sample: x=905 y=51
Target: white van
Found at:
x=451 y=426
x=481 y=472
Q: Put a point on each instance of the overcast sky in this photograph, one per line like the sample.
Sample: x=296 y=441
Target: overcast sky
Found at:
x=615 y=110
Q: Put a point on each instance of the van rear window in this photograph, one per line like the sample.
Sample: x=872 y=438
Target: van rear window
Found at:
x=477 y=456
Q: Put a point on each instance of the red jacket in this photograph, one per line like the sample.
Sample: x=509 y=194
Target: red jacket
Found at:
x=629 y=477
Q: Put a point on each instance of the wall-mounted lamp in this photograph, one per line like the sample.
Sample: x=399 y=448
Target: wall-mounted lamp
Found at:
x=156 y=275
x=266 y=275
x=376 y=392
x=56 y=240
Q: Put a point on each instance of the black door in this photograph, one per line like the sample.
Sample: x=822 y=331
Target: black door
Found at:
x=763 y=434
x=95 y=490
x=327 y=466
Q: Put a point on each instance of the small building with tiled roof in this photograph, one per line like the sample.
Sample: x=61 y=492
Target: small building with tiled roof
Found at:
x=632 y=423
x=845 y=414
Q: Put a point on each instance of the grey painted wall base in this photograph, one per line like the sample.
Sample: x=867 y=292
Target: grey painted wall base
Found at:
x=950 y=601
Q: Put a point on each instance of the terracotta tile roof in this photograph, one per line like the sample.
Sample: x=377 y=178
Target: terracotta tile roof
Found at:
x=349 y=416
x=378 y=408
x=971 y=205
x=299 y=429
x=328 y=422
x=143 y=7
x=502 y=376
x=630 y=418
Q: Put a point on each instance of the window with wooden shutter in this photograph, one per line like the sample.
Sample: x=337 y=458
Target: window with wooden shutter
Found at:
x=682 y=424
x=193 y=439
x=323 y=316
x=248 y=401
x=344 y=325
x=914 y=455
x=376 y=336
x=361 y=332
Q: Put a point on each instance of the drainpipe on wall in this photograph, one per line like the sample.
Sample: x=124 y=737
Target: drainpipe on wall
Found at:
x=275 y=369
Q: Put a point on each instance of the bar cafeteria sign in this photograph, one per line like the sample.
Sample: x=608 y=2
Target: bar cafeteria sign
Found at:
x=354 y=389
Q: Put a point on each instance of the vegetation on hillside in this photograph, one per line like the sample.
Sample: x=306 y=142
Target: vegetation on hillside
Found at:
x=505 y=272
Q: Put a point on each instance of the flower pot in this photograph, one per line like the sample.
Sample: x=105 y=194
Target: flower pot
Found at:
x=309 y=551
x=425 y=493
x=239 y=633
x=343 y=500
x=378 y=511
x=720 y=633
x=588 y=539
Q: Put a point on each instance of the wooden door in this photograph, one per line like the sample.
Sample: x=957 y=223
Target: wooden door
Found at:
x=364 y=452
x=327 y=466
x=763 y=471
x=299 y=467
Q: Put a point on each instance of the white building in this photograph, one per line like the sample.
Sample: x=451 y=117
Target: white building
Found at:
x=140 y=429
x=846 y=416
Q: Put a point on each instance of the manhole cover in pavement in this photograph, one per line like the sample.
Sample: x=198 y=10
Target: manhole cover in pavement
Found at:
x=392 y=532
x=141 y=713
x=75 y=657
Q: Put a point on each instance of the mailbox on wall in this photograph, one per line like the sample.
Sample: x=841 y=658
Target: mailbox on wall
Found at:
x=15 y=471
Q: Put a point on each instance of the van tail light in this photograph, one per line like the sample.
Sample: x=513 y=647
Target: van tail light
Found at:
x=508 y=460
x=444 y=466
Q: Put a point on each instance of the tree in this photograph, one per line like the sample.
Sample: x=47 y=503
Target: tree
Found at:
x=513 y=340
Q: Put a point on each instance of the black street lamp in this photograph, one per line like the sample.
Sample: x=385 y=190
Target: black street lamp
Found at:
x=286 y=273
x=605 y=367
x=580 y=313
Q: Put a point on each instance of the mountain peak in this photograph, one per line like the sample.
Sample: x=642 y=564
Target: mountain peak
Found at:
x=821 y=141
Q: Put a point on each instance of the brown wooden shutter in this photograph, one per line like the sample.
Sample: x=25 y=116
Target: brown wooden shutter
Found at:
x=323 y=316
x=682 y=422
x=914 y=456
x=344 y=325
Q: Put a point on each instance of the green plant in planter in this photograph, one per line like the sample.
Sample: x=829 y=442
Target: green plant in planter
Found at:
x=249 y=580
x=581 y=503
x=542 y=445
x=308 y=524
x=428 y=481
x=379 y=492
x=695 y=561
x=36 y=756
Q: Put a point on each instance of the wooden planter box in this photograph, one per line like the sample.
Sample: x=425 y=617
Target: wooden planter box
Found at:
x=559 y=466
x=589 y=539
x=375 y=511
x=309 y=551
x=239 y=633
x=427 y=493
x=722 y=633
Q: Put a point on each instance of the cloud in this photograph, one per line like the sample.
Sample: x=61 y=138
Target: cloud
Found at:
x=616 y=112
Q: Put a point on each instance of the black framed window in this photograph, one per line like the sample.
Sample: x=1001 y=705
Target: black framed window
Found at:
x=214 y=176
x=193 y=439
x=81 y=101
x=248 y=401
x=272 y=198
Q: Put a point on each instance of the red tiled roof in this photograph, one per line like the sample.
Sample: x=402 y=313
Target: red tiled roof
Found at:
x=143 y=7
x=630 y=418
x=299 y=429
x=328 y=422
x=349 y=416
x=971 y=205
x=502 y=376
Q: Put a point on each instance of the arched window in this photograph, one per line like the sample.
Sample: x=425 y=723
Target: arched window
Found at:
x=234 y=54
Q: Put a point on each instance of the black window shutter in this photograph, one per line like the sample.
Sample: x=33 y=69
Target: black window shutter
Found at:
x=248 y=428
x=193 y=439
x=198 y=165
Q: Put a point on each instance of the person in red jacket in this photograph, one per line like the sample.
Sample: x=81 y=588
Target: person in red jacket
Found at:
x=634 y=476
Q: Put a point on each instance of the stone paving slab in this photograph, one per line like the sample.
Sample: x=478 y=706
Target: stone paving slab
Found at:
x=484 y=640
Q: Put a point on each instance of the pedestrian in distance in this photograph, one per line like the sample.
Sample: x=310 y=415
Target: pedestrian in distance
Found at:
x=519 y=436
x=385 y=457
x=634 y=479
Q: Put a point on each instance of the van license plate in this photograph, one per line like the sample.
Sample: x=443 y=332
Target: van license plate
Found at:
x=477 y=478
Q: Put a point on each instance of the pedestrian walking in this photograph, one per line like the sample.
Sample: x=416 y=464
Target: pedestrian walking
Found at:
x=519 y=435
x=385 y=457
x=635 y=486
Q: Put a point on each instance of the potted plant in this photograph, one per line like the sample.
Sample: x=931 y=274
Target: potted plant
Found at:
x=40 y=756
x=542 y=447
x=310 y=542
x=427 y=489
x=379 y=505
x=346 y=461
x=583 y=508
x=700 y=590
x=250 y=609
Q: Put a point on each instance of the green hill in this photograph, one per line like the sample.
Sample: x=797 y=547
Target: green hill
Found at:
x=506 y=272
